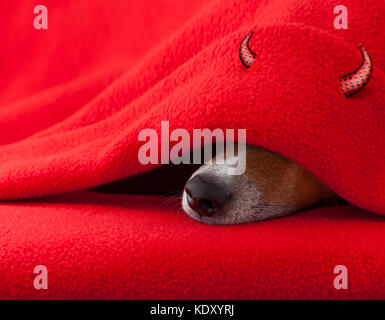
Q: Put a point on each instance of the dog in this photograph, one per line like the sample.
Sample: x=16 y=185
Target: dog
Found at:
x=271 y=186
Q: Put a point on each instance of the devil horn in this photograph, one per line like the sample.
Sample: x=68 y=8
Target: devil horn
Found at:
x=355 y=81
x=245 y=54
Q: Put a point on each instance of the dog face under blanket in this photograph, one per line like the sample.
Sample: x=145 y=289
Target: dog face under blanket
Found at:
x=271 y=186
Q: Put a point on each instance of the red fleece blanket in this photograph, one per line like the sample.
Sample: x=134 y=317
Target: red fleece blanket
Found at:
x=134 y=247
x=74 y=98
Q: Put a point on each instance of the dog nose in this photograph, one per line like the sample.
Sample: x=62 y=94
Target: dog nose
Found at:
x=204 y=196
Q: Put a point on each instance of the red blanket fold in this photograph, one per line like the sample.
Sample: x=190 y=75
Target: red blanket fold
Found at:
x=289 y=100
x=74 y=98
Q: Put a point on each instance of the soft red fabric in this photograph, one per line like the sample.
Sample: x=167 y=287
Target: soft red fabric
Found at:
x=74 y=98
x=115 y=246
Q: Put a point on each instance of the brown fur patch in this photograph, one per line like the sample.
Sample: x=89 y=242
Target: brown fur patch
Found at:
x=283 y=182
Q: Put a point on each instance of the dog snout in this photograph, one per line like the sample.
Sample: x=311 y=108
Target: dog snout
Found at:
x=206 y=197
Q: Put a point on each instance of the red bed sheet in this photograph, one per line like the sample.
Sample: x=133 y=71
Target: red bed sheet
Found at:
x=98 y=246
